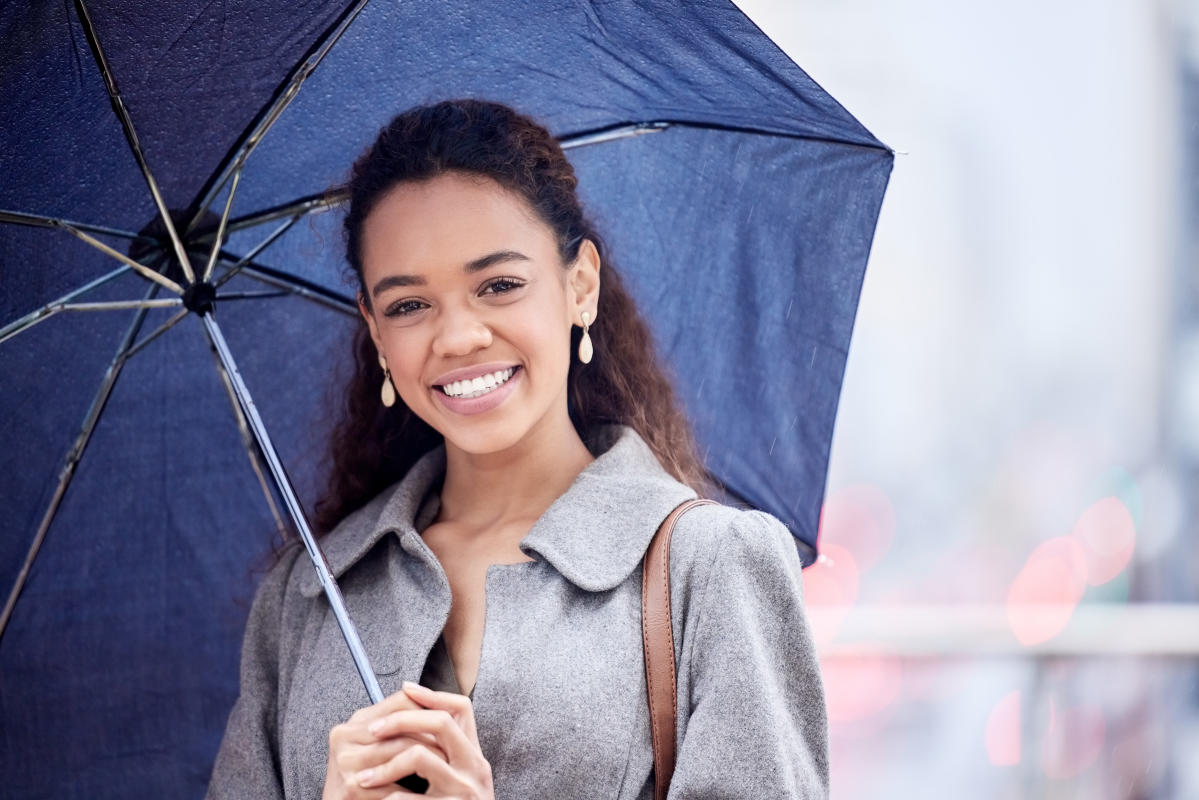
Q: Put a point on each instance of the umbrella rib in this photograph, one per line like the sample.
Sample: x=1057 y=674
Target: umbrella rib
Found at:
x=52 y=309
x=159 y=331
x=40 y=221
x=299 y=286
x=114 y=305
x=34 y=317
x=247 y=439
x=627 y=129
x=271 y=112
x=140 y=269
x=312 y=204
x=607 y=134
x=220 y=230
x=73 y=457
x=254 y=295
x=250 y=256
x=81 y=231
x=118 y=106
x=325 y=575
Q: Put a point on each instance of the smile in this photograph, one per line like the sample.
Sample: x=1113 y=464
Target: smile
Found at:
x=484 y=384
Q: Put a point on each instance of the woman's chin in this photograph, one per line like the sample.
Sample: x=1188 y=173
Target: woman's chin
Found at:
x=484 y=438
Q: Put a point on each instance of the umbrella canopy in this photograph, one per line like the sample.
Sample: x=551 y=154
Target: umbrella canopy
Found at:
x=737 y=198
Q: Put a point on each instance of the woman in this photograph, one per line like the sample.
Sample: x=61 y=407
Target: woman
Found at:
x=509 y=449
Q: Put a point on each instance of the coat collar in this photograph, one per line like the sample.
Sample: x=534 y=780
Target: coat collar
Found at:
x=594 y=534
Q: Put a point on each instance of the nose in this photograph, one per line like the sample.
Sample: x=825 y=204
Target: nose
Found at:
x=460 y=332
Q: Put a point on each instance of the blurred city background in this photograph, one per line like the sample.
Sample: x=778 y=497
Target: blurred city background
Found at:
x=1007 y=605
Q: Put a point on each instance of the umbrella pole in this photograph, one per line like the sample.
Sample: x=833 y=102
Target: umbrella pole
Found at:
x=357 y=652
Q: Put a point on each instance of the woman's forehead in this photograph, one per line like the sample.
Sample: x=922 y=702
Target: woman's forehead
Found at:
x=445 y=223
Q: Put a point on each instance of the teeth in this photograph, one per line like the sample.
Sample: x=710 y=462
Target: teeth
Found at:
x=480 y=385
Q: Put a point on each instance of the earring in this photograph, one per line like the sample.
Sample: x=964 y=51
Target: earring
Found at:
x=585 y=348
x=388 y=393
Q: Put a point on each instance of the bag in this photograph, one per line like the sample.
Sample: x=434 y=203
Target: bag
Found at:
x=657 y=636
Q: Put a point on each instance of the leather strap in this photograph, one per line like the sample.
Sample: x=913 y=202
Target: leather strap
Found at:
x=657 y=635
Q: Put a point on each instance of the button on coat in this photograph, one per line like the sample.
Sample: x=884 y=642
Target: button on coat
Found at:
x=560 y=698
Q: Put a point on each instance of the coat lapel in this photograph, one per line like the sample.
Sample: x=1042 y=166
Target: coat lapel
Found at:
x=595 y=534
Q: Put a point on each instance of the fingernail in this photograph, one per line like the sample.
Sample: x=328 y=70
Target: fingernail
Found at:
x=365 y=777
x=411 y=685
x=376 y=726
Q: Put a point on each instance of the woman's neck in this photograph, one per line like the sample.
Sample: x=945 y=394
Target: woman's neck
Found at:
x=483 y=492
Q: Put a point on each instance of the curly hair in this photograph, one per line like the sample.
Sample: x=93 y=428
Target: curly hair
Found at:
x=370 y=447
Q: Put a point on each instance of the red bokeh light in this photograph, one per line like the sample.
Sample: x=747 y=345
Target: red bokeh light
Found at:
x=861 y=519
x=1047 y=589
x=830 y=588
x=858 y=687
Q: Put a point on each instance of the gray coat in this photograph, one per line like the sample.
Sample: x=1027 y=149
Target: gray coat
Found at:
x=560 y=697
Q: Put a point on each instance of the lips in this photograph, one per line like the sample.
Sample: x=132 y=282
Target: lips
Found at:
x=486 y=402
x=470 y=373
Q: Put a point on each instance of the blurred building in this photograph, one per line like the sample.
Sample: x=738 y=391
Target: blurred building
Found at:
x=1009 y=606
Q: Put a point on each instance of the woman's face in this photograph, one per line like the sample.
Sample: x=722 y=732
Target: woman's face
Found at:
x=465 y=282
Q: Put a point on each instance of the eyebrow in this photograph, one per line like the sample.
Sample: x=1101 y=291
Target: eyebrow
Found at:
x=470 y=268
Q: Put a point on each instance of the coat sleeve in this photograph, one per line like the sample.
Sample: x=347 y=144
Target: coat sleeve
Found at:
x=757 y=724
x=247 y=764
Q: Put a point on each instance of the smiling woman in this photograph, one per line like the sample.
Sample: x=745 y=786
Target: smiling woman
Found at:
x=509 y=446
x=466 y=281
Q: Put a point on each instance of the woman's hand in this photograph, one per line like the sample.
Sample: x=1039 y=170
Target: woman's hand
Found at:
x=415 y=730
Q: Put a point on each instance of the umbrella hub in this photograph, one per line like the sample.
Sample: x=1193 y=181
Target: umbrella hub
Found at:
x=159 y=254
x=199 y=297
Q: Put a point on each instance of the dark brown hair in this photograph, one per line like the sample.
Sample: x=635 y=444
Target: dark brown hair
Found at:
x=370 y=446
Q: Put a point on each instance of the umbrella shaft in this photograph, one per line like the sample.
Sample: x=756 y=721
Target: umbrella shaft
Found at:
x=328 y=583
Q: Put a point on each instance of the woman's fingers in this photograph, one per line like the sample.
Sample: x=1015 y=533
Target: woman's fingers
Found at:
x=393 y=702
x=423 y=762
x=458 y=705
x=354 y=730
x=446 y=731
x=354 y=758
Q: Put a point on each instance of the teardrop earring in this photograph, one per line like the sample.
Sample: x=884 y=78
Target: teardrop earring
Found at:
x=388 y=392
x=585 y=348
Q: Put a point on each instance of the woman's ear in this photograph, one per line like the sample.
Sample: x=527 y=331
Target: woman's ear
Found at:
x=584 y=281
x=370 y=323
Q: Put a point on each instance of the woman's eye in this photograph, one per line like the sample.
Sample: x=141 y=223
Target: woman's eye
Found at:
x=503 y=285
x=404 y=308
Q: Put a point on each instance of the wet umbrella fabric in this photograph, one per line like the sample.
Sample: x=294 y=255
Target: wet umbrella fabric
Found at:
x=741 y=215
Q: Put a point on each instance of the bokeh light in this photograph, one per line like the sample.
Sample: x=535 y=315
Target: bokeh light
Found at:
x=830 y=588
x=1107 y=534
x=861 y=519
x=1047 y=589
x=860 y=686
x=1002 y=734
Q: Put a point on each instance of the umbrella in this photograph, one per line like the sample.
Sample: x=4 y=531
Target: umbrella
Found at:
x=140 y=491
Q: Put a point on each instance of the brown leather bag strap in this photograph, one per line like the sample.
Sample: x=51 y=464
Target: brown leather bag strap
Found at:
x=657 y=635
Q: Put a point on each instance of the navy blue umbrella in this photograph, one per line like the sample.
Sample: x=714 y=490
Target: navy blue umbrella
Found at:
x=172 y=301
